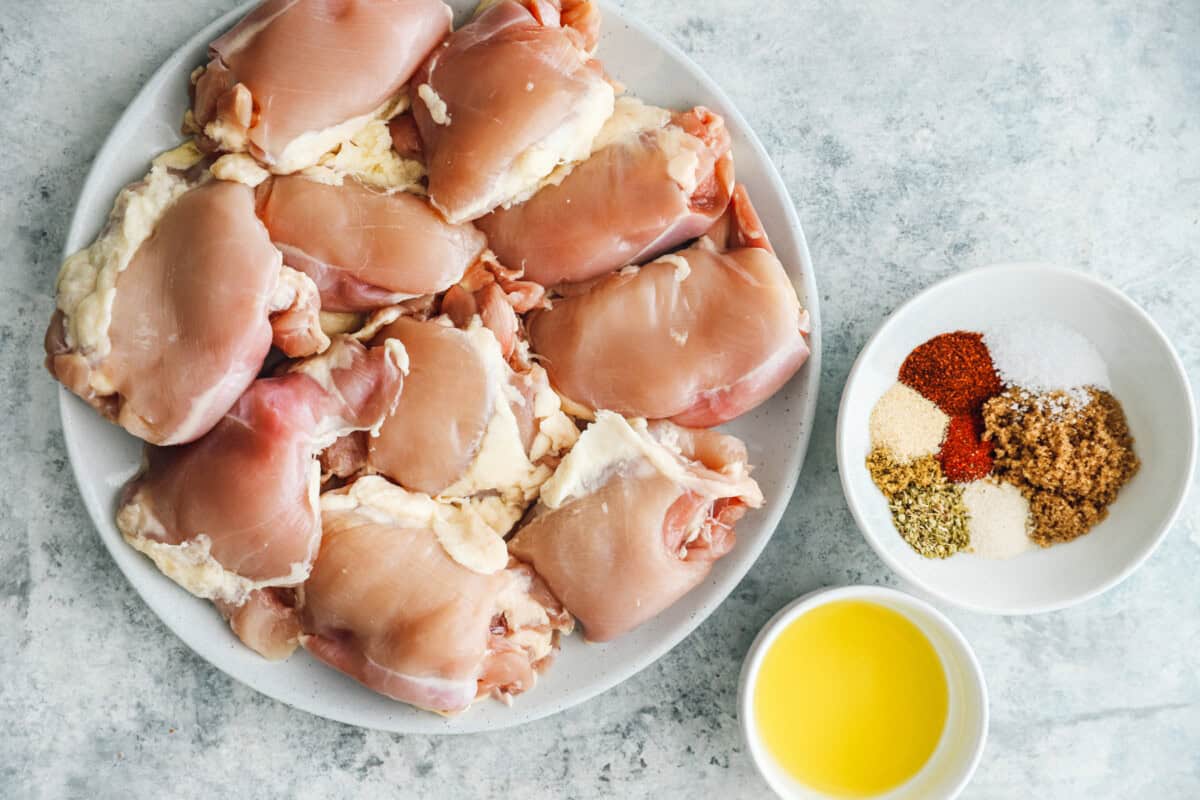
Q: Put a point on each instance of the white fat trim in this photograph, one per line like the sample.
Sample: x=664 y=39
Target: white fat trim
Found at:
x=377 y=321
x=630 y=119
x=682 y=151
x=434 y=102
x=576 y=410
x=308 y=148
x=183 y=157
x=463 y=533
x=239 y=168
x=369 y=158
x=556 y=431
x=230 y=136
x=526 y=617
x=86 y=287
x=682 y=268
x=191 y=564
x=334 y=323
x=613 y=441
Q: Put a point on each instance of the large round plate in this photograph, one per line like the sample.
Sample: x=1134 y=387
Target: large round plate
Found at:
x=777 y=433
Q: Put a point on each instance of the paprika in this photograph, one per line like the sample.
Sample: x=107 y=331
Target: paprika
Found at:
x=964 y=456
x=954 y=370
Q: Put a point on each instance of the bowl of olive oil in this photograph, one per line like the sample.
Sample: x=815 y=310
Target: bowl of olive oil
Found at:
x=863 y=692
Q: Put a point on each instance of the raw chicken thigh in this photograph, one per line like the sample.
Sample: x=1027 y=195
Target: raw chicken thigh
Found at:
x=467 y=426
x=165 y=320
x=266 y=622
x=655 y=180
x=509 y=97
x=365 y=249
x=295 y=78
x=417 y=601
x=634 y=518
x=699 y=337
x=237 y=510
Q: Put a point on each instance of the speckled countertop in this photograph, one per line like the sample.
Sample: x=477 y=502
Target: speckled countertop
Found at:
x=917 y=139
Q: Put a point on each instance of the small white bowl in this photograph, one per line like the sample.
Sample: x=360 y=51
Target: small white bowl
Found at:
x=1147 y=378
x=958 y=752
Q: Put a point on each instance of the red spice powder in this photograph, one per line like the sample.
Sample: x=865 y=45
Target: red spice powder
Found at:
x=954 y=370
x=964 y=455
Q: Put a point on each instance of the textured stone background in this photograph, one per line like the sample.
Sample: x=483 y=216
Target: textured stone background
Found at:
x=918 y=139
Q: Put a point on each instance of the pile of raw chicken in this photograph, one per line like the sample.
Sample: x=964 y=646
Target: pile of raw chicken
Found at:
x=425 y=331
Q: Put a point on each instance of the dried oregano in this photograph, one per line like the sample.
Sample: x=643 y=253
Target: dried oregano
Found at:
x=931 y=518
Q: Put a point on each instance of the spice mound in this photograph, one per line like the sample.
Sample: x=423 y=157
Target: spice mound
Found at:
x=927 y=509
x=1069 y=456
x=996 y=441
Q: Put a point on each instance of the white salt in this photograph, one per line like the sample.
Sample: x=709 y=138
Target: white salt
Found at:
x=907 y=424
x=1046 y=356
x=998 y=519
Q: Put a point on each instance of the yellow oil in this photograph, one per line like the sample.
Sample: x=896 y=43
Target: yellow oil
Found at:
x=851 y=699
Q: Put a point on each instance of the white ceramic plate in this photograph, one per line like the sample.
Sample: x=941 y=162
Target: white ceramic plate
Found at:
x=1147 y=378
x=777 y=433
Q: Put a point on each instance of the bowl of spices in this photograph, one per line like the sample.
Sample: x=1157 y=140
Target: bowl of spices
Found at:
x=1017 y=438
x=863 y=692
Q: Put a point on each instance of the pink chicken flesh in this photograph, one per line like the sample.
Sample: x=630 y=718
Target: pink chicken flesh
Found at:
x=388 y=606
x=450 y=396
x=245 y=493
x=698 y=337
x=622 y=206
x=294 y=67
x=508 y=81
x=193 y=316
x=438 y=425
x=620 y=549
x=266 y=622
x=365 y=249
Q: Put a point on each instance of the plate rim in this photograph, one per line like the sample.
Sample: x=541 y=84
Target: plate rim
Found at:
x=899 y=567
x=770 y=515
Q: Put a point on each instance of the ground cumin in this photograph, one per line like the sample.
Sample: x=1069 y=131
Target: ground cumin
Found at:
x=1070 y=458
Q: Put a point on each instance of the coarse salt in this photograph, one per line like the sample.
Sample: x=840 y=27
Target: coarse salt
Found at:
x=998 y=519
x=1045 y=356
x=906 y=424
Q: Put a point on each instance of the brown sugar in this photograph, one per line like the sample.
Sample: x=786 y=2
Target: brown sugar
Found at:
x=1068 y=452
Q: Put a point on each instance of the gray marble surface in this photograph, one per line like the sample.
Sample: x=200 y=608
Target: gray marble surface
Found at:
x=917 y=139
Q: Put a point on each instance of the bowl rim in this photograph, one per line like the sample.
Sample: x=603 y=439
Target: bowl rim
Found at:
x=803 y=275
x=1018 y=267
x=829 y=594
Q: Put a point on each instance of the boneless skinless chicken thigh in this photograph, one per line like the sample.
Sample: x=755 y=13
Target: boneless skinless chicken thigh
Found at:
x=633 y=519
x=654 y=180
x=365 y=248
x=418 y=600
x=295 y=78
x=508 y=98
x=699 y=336
x=236 y=511
x=468 y=427
x=166 y=318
